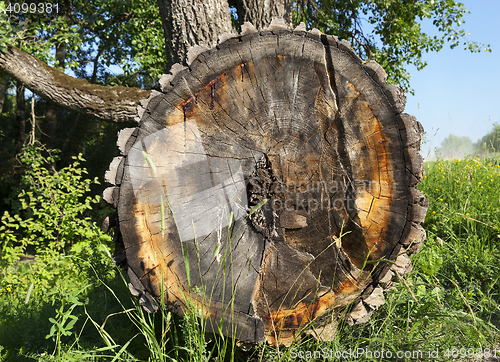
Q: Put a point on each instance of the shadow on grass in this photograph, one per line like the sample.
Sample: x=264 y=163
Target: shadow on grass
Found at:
x=24 y=326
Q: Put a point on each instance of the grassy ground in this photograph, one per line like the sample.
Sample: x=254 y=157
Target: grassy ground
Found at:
x=448 y=310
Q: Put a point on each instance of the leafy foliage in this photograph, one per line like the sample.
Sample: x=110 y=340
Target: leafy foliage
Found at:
x=390 y=32
x=129 y=34
x=48 y=214
x=64 y=320
x=95 y=35
x=5 y=28
x=50 y=251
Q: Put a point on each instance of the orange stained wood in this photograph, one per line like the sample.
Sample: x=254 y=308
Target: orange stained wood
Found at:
x=214 y=81
x=353 y=88
x=202 y=103
x=374 y=203
x=364 y=201
x=304 y=313
x=156 y=253
x=374 y=210
x=318 y=115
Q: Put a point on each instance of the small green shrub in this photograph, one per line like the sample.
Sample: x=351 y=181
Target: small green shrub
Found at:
x=48 y=213
x=49 y=250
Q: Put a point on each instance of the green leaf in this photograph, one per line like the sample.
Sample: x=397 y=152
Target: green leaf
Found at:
x=431 y=262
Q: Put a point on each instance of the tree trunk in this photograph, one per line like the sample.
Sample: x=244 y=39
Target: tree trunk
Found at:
x=20 y=128
x=52 y=112
x=4 y=85
x=50 y=125
x=67 y=138
x=192 y=22
x=272 y=186
x=261 y=12
x=116 y=104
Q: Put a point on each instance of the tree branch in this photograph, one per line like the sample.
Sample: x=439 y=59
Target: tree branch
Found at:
x=116 y=104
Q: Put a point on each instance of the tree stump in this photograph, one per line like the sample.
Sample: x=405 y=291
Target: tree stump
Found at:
x=270 y=185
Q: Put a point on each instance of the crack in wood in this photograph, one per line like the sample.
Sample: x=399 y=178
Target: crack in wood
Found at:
x=289 y=107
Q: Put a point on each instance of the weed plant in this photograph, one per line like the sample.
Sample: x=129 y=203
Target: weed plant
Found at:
x=76 y=306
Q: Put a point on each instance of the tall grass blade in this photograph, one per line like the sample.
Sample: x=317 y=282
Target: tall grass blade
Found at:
x=257 y=207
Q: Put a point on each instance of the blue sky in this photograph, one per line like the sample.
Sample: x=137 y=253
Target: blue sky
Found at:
x=458 y=92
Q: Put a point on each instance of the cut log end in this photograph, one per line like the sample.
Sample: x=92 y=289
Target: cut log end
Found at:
x=272 y=169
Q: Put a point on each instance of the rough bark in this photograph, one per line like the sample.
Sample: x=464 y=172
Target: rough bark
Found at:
x=20 y=127
x=116 y=104
x=192 y=22
x=294 y=118
x=261 y=12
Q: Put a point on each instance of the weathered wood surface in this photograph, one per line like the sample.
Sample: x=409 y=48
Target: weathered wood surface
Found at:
x=291 y=117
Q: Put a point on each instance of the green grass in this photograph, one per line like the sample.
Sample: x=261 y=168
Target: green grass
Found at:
x=449 y=307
